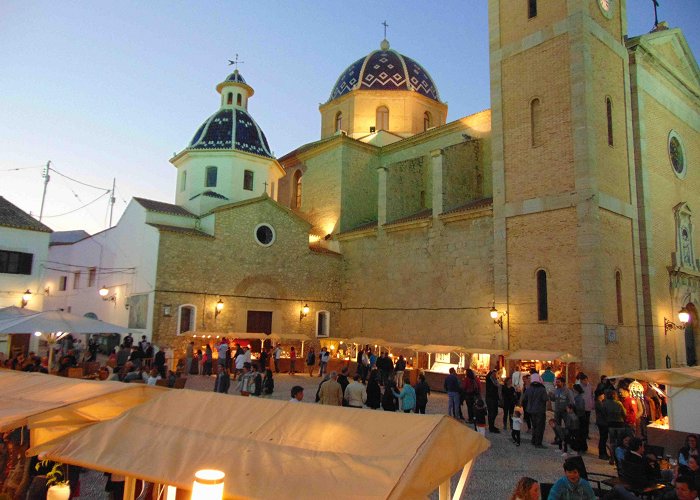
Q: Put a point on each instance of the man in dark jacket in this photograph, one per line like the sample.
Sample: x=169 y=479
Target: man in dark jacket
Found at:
x=636 y=468
x=535 y=404
x=492 y=386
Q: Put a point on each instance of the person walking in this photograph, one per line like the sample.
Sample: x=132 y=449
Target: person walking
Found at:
x=509 y=398
x=311 y=361
x=492 y=387
x=399 y=369
x=471 y=388
x=355 y=393
x=277 y=354
x=451 y=386
x=292 y=360
x=602 y=424
x=374 y=393
x=561 y=398
x=589 y=404
x=331 y=393
x=407 y=397
x=535 y=403
x=422 y=391
x=323 y=357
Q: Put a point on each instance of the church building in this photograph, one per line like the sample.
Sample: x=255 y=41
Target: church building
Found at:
x=567 y=207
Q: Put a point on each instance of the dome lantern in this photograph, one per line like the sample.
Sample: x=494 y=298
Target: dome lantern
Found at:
x=234 y=91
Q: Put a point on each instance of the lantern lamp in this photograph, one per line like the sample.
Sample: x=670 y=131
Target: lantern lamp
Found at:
x=208 y=485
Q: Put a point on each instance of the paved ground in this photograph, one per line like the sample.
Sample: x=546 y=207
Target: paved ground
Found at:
x=493 y=476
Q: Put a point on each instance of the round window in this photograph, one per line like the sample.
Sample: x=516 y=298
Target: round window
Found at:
x=676 y=154
x=264 y=235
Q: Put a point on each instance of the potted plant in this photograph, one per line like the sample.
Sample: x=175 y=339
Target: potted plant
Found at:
x=58 y=489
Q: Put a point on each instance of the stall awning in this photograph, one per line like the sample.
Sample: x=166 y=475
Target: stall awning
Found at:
x=675 y=377
x=315 y=451
x=526 y=354
x=54 y=406
x=367 y=341
x=434 y=348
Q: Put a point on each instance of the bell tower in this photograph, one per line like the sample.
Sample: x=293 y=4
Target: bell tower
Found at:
x=566 y=259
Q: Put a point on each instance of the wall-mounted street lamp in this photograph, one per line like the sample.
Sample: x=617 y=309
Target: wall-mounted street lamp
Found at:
x=683 y=317
x=104 y=293
x=219 y=307
x=25 y=298
x=304 y=312
x=497 y=316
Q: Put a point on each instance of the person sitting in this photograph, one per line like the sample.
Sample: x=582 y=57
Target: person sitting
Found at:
x=686 y=488
x=572 y=485
x=526 y=489
x=690 y=449
x=638 y=469
x=622 y=449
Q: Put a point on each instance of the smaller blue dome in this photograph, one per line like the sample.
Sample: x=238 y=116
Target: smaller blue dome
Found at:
x=231 y=129
x=235 y=77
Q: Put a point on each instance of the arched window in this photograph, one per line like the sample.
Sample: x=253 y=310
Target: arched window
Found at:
x=426 y=121
x=535 y=122
x=210 y=177
x=239 y=99
x=323 y=320
x=186 y=318
x=531 y=9
x=229 y=98
x=608 y=110
x=618 y=296
x=297 y=189
x=382 y=118
x=338 y=121
x=542 y=308
x=183 y=180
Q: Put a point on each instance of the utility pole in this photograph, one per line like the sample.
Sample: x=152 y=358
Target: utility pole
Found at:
x=112 y=199
x=45 y=175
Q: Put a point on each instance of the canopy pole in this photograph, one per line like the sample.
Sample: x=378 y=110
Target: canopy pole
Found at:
x=302 y=349
x=129 y=487
x=444 y=490
x=463 y=480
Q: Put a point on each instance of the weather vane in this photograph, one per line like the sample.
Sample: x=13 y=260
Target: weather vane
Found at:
x=385 y=27
x=235 y=62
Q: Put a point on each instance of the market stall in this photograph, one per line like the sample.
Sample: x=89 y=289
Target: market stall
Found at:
x=682 y=392
x=315 y=451
x=537 y=359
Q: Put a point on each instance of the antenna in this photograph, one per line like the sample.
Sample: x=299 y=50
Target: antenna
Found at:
x=46 y=177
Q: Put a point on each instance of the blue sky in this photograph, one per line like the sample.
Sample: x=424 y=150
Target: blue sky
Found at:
x=113 y=89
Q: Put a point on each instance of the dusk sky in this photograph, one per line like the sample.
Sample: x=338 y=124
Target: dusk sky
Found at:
x=113 y=89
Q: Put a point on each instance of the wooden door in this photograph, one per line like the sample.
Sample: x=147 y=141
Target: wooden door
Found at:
x=259 y=322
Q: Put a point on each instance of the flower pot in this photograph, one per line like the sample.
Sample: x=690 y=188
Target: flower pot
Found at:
x=58 y=492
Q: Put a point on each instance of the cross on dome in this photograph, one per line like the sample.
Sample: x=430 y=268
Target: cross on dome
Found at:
x=235 y=62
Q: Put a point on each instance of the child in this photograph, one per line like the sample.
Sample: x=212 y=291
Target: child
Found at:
x=571 y=424
x=559 y=434
x=515 y=426
x=480 y=417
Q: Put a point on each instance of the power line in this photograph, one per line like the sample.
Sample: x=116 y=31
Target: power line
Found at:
x=79 y=182
x=79 y=208
x=19 y=168
x=86 y=267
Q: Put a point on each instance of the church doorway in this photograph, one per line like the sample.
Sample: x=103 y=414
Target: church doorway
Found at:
x=259 y=322
x=691 y=328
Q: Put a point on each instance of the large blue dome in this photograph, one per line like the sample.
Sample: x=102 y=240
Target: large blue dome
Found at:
x=385 y=69
x=231 y=129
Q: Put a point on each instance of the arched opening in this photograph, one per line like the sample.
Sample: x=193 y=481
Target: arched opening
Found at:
x=427 y=121
x=382 y=118
x=535 y=122
x=239 y=100
x=542 y=308
x=691 y=355
x=186 y=318
x=531 y=9
x=297 y=189
x=338 y=121
x=323 y=320
x=229 y=98
x=618 y=296
x=210 y=177
x=608 y=110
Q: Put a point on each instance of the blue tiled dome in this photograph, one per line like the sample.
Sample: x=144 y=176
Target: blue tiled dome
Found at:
x=385 y=69
x=235 y=77
x=231 y=129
